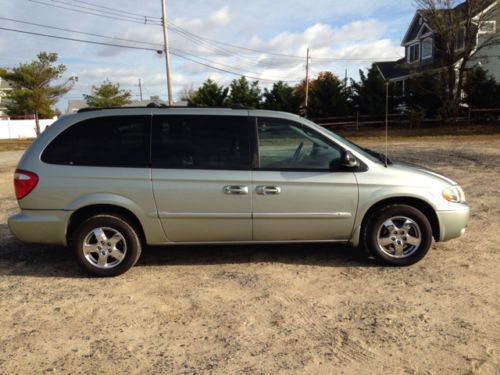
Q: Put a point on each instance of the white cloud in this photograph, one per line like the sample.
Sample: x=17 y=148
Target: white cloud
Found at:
x=321 y=36
x=220 y=17
x=216 y=19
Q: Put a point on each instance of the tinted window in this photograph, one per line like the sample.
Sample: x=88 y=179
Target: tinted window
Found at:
x=121 y=141
x=201 y=142
x=286 y=145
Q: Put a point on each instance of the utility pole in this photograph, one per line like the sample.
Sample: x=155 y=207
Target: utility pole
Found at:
x=140 y=89
x=306 y=105
x=166 y=49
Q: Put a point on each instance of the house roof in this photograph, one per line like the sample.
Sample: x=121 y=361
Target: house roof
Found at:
x=393 y=69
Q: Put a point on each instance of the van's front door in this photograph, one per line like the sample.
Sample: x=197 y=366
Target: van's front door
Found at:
x=297 y=194
x=201 y=177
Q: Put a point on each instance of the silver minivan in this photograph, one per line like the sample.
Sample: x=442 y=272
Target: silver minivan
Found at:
x=108 y=182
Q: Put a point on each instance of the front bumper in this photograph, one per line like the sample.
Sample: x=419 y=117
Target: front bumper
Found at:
x=452 y=224
x=38 y=226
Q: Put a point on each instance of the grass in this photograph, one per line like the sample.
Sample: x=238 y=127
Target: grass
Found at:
x=435 y=134
x=15 y=144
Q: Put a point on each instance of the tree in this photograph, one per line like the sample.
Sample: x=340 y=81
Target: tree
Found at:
x=244 y=94
x=481 y=90
x=32 y=92
x=108 y=94
x=328 y=96
x=282 y=97
x=210 y=94
x=369 y=93
x=425 y=93
x=457 y=27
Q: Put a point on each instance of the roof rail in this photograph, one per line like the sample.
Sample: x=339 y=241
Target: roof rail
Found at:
x=157 y=105
x=150 y=105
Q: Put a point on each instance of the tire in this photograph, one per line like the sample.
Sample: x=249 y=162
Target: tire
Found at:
x=397 y=235
x=106 y=245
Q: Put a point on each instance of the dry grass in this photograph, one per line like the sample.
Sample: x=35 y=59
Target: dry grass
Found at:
x=15 y=144
x=435 y=134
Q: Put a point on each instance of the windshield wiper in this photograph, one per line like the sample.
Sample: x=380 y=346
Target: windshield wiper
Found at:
x=378 y=155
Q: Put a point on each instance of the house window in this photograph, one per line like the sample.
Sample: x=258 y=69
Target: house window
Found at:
x=427 y=45
x=414 y=52
x=488 y=27
x=460 y=41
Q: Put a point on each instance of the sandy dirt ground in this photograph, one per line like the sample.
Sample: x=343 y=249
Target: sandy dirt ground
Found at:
x=315 y=309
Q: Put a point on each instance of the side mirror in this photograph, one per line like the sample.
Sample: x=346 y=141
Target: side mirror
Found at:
x=347 y=160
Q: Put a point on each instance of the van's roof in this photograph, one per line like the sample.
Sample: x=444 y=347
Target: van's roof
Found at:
x=157 y=110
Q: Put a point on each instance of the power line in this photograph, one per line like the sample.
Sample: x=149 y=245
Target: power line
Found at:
x=115 y=12
x=222 y=51
x=184 y=52
x=179 y=50
x=235 y=46
x=270 y=53
x=252 y=63
x=139 y=48
x=197 y=39
x=78 y=40
x=115 y=9
x=229 y=72
x=79 y=32
x=119 y=18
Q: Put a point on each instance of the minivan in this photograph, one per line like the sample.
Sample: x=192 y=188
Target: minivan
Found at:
x=107 y=182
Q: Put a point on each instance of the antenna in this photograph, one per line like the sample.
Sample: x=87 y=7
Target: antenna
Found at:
x=386 y=122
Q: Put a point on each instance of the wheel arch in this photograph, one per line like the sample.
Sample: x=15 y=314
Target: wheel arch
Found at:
x=417 y=203
x=83 y=213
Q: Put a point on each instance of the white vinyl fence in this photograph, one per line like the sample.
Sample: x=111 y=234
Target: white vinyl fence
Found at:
x=13 y=129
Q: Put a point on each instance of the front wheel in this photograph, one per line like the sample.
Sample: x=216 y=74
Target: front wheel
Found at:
x=106 y=245
x=397 y=235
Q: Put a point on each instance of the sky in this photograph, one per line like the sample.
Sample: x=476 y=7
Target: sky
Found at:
x=332 y=29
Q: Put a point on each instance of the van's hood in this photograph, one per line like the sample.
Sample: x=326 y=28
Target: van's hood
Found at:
x=424 y=170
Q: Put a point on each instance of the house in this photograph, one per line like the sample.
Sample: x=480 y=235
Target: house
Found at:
x=423 y=52
x=4 y=87
x=74 y=105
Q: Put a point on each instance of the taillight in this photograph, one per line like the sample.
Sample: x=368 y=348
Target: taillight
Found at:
x=24 y=183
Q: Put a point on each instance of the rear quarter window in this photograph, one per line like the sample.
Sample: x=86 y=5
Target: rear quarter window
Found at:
x=119 y=141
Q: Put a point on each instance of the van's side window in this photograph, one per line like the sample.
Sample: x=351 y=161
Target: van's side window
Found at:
x=201 y=142
x=118 y=141
x=286 y=145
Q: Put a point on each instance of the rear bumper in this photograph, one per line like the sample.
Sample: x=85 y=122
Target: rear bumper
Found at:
x=47 y=227
x=452 y=224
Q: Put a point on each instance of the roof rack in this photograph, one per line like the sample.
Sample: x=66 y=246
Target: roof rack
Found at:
x=150 y=105
x=159 y=105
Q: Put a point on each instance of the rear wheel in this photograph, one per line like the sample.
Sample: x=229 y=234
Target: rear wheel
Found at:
x=397 y=235
x=106 y=245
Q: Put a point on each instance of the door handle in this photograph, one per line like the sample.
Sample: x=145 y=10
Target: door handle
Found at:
x=268 y=190
x=235 y=190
